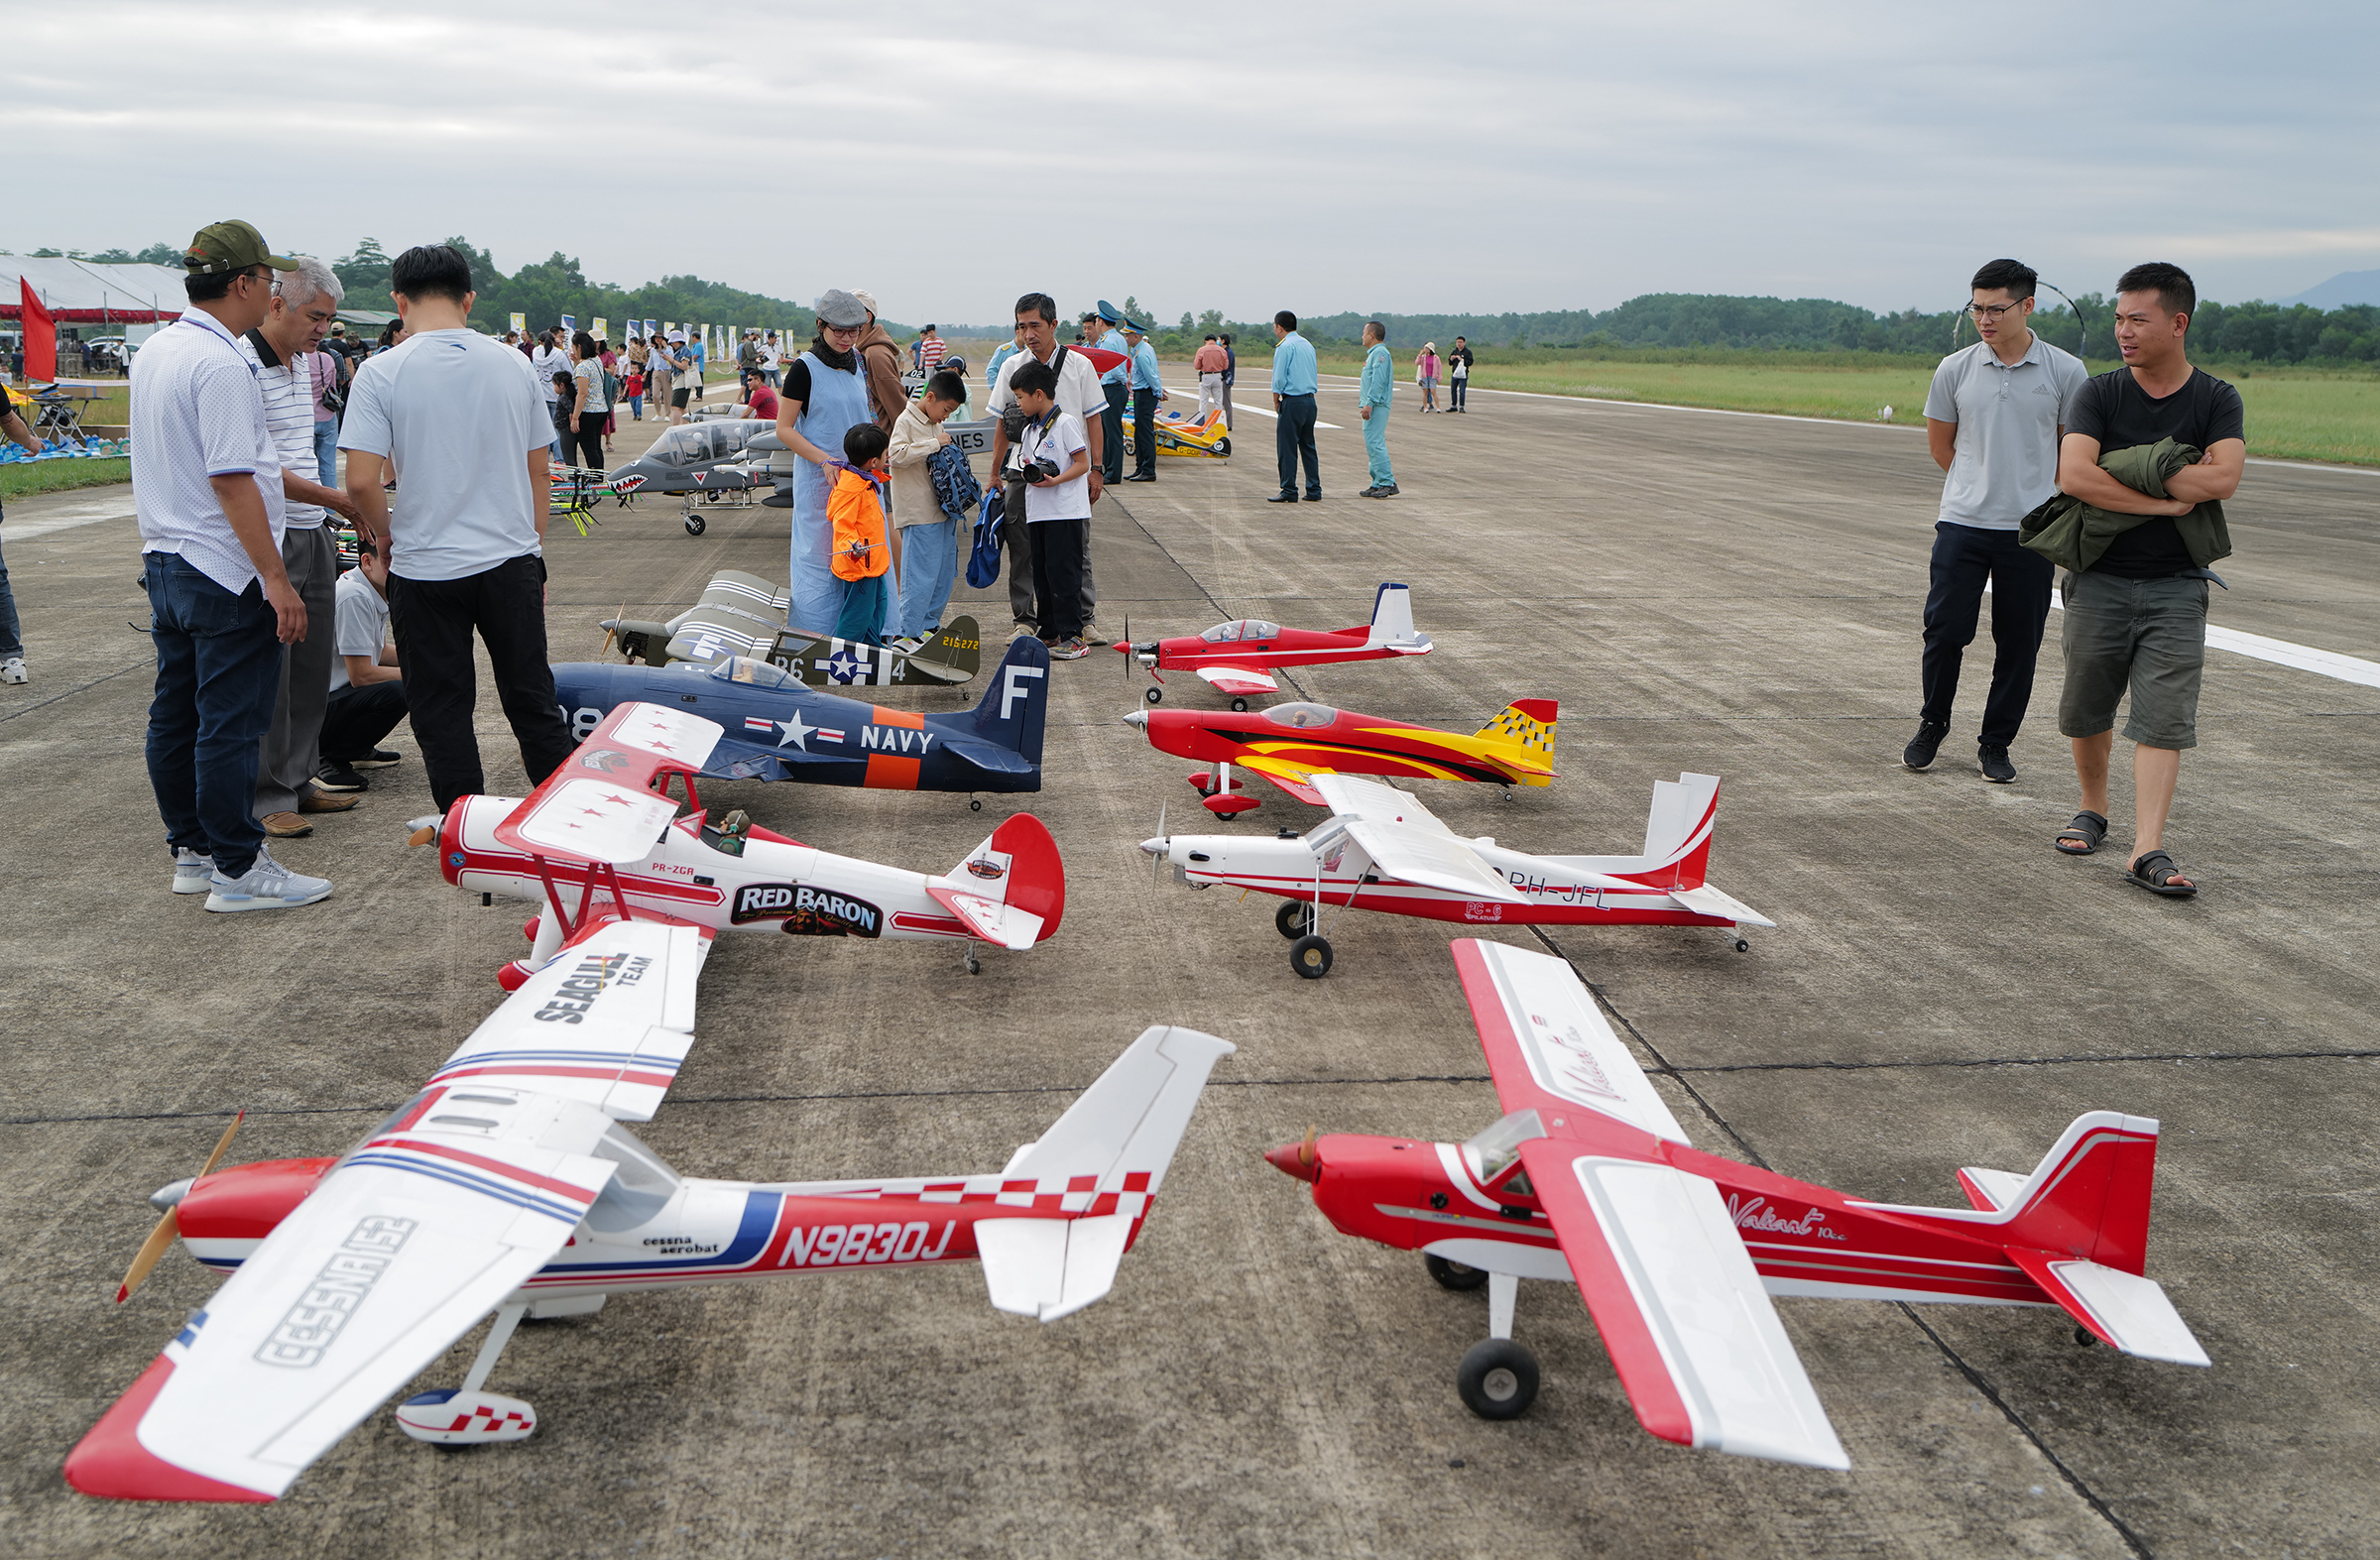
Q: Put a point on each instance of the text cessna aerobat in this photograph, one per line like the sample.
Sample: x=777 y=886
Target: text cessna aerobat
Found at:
x=597 y=841
x=774 y=729
x=1383 y=850
x=1290 y=744
x=1235 y=657
x=1589 y=1179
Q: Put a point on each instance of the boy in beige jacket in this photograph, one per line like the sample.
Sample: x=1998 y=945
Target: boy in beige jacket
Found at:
x=927 y=551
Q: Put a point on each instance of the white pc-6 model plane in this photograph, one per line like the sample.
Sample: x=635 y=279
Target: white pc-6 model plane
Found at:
x=1590 y=1180
x=1383 y=850
x=511 y=1186
x=598 y=840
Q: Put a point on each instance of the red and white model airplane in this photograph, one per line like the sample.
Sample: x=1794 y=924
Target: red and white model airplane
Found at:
x=1590 y=1180
x=599 y=839
x=1235 y=657
x=1383 y=850
x=510 y=1185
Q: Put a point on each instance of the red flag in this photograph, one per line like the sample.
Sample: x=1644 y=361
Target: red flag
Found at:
x=41 y=337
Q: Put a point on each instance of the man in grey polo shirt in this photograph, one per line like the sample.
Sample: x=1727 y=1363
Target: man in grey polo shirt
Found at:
x=1993 y=418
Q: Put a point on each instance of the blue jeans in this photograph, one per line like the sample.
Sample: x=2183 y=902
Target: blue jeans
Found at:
x=326 y=451
x=635 y=407
x=219 y=667
x=929 y=565
x=1375 y=446
x=862 y=619
x=12 y=636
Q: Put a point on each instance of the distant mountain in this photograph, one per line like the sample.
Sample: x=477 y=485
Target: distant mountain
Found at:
x=2343 y=291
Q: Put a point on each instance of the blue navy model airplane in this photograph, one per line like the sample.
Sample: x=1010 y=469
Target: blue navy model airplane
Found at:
x=777 y=729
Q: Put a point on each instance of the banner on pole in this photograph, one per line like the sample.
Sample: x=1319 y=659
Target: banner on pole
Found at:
x=569 y=323
x=600 y=333
x=519 y=324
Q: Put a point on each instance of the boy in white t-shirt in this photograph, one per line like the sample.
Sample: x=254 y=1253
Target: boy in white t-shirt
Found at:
x=1054 y=454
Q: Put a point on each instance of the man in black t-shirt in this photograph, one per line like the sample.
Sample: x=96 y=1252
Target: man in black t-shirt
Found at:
x=2136 y=619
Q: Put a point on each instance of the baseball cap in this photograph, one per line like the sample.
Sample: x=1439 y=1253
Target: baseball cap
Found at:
x=867 y=300
x=231 y=246
x=842 y=310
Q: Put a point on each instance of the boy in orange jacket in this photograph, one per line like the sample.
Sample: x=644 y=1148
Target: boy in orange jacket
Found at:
x=863 y=550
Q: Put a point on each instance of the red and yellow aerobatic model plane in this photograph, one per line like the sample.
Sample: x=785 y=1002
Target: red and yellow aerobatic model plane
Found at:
x=1590 y=1180
x=1290 y=744
x=1234 y=656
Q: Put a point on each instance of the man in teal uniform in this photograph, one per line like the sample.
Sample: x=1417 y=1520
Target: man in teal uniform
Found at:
x=1115 y=384
x=1371 y=405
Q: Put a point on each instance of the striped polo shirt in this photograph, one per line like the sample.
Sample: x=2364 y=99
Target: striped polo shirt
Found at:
x=197 y=412
x=289 y=391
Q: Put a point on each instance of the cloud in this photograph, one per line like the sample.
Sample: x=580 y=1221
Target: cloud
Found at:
x=1380 y=155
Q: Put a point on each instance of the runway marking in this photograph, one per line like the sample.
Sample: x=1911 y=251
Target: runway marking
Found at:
x=85 y=515
x=1263 y=411
x=2279 y=651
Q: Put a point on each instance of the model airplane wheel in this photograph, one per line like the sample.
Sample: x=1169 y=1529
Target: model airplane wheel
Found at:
x=1454 y=1275
x=2084 y=1337
x=1223 y=448
x=1498 y=1380
x=1154 y=695
x=1294 y=919
x=695 y=525
x=1742 y=946
x=1239 y=706
x=975 y=804
x=1310 y=956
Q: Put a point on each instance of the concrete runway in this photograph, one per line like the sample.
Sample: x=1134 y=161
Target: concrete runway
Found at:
x=1733 y=594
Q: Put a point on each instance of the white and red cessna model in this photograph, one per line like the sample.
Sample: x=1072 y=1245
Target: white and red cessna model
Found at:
x=1383 y=850
x=510 y=1185
x=599 y=839
x=1590 y=1180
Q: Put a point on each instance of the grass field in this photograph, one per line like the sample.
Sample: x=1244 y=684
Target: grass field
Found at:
x=23 y=479
x=2292 y=415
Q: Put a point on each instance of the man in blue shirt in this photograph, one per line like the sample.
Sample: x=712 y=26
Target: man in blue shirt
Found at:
x=1294 y=382
x=1371 y=405
x=1117 y=383
x=1148 y=391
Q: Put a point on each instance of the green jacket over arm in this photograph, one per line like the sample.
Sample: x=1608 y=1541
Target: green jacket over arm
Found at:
x=2074 y=536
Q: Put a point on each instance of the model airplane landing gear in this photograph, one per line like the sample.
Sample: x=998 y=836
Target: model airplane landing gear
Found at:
x=1223 y=799
x=1310 y=956
x=695 y=525
x=466 y=1416
x=1155 y=695
x=1294 y=919
x=1498 y=1380
x=1454 y=1275
x=1239 y=706
x=1735 y=938
x=974 y=965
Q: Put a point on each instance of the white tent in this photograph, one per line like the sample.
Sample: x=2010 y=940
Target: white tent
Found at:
x=85 y=293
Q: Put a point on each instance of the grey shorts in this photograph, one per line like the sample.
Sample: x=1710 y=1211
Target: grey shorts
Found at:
x=2147 y=637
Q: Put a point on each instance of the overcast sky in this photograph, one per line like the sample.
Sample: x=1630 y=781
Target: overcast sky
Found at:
x=1319 y=156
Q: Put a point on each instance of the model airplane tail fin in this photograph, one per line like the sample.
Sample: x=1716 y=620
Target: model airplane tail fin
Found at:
x=960 y=646
x=1529 y=722
x=1677 y=832
x=1109 y=1150
x=1015 y=706
x=1011 y=888
x=2089 y=1197
x=1392 y=619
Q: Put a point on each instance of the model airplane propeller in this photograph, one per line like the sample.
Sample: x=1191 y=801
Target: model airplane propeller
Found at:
x=1383 y=851
x=1237 y=657
x=168 y=1224
x=1290 y=744
x=1589 y=1179
x=743 y=614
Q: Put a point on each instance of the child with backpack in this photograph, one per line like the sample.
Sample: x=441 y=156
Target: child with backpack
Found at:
x=862 y=551
x=927 y=510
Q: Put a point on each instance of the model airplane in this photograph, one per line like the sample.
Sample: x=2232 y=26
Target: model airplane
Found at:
x=602 y=830
x=1290 y=744
x=743 y=614
x=1184 y=434
x=1234 y=656
x=698 y=460
x=1383 y=850
x=777 y=729
x=510 y=1185
x=1590 y=1180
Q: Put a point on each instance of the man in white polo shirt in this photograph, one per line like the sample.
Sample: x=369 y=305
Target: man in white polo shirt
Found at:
x=206 y=483
x=304 y=302
x=1993 y=418
x=1079 y=394
x=457 y=418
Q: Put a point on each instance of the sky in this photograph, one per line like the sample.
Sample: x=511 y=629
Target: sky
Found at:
x=1380 y=156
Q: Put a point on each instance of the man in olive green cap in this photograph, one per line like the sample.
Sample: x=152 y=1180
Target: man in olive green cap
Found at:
x=206 y=483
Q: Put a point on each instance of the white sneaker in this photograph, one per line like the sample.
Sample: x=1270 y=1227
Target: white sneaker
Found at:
x=12 y=670
x=266 y=885
x=193 y=872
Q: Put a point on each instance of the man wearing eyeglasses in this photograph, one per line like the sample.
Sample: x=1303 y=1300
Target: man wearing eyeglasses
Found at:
x=1993 y=418
x=206 y=480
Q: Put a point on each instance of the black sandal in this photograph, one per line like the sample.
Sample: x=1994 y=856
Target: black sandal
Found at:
x=2160 y=879
x=2088 y=827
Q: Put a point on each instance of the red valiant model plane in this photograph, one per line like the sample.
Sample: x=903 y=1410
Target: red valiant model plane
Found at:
x=1232 y=657
x=1590 y=1180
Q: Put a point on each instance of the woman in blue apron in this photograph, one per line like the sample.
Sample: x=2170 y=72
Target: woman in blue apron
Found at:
x=836 y=397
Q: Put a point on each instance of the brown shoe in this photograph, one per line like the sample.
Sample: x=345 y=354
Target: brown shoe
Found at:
x=285 y=825
x=324 y=801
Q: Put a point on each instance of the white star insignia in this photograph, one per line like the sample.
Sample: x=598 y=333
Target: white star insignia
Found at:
x=794 y=732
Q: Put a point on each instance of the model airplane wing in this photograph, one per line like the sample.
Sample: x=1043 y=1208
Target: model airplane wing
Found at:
x=1295 y=779
x=1548 y=1046
x=1239 y=679
x=1406 y=840
x=598 y=807
x=607 y=1021
x=1690 y=1330
x=418 y=1232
